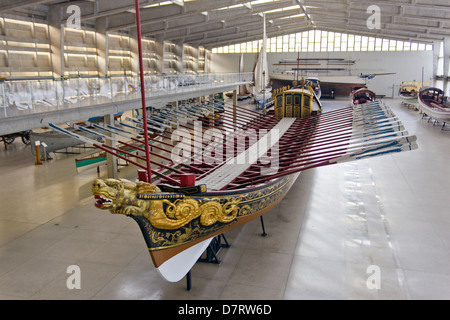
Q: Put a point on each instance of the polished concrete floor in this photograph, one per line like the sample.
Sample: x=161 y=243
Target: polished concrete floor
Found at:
x=372 y=229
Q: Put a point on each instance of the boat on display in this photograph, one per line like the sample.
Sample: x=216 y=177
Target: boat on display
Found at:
x=434 y=104
x=409 y=90
x=362 y=96
x=228 y=173
x=262 y=91
x=409 y=93
x=299 y=102
x=53 y=140
x=315 y=84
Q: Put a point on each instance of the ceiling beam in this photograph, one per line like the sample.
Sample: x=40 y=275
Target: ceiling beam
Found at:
x=217 y=24
x=214 y=13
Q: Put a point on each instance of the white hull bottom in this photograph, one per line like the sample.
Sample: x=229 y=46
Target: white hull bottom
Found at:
x=261 y=97
x=408 y=98
x=174 y=269
x=438 y=115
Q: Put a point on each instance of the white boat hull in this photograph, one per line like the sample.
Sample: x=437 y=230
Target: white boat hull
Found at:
x=435 y=113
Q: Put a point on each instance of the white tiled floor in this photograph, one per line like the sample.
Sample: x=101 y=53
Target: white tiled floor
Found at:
x=391 y=212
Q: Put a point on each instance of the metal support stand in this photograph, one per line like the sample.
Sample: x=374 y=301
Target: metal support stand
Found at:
x=188 y=281
x=211 y=255
x=264 y=234
x=214 y=248
x=4 y=142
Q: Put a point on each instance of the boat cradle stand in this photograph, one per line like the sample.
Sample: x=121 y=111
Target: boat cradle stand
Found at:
x=212 y=251
x=210 y=255
x=216 y=244
x=435 y=121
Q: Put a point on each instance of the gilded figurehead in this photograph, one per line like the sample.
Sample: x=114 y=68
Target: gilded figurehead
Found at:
x=119 y=196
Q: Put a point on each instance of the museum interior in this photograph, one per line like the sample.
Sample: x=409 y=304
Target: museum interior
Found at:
x=224 y=150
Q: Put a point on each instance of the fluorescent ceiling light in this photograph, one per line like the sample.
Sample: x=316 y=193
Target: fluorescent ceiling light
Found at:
x=231 y=7
x=261 y=2
x=282 y=9
x=294 y=16
x=158 y=4
x=178 y=2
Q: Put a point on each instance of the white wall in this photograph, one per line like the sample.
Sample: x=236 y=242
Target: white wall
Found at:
x=406 y=64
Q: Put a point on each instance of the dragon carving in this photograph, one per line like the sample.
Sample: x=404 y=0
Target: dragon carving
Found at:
x=119 y=196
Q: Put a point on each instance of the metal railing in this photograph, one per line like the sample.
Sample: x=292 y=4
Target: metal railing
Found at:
x=19 y=97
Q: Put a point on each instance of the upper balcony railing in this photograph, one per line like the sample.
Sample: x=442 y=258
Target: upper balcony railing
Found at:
x=21 y=97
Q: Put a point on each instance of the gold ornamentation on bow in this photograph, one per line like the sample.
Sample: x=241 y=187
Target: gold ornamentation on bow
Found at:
x=119 y=196
x=183 y=211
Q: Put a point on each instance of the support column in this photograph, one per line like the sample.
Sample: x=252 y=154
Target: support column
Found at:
x=56 y=33
x=195 y=54
x=234 y=108
x=159 y=50
x=179 y=52
x=111 y=161
x=207 y=61
x=446 y=62
x=436 y=49
x=134 y=52
x=102 y=46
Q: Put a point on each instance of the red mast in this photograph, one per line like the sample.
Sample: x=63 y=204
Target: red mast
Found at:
x=144 y=109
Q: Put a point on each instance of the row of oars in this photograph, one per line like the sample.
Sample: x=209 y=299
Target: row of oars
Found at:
x=162 y=125
x=343 y=135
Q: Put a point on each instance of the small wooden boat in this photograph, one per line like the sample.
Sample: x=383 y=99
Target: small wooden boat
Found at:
x=409 y=93
x=55 y=141
x=434 y=104
x=362 y=96
x=409 y=90
x=242 y=94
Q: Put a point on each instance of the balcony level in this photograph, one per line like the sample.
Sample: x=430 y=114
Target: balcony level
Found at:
x=30 y=104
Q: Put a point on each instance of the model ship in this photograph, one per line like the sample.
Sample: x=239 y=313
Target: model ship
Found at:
x=237 y=169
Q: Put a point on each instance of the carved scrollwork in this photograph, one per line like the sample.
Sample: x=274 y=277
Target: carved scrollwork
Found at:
x=210 y=213
x=230 y=211
x=179 y=213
